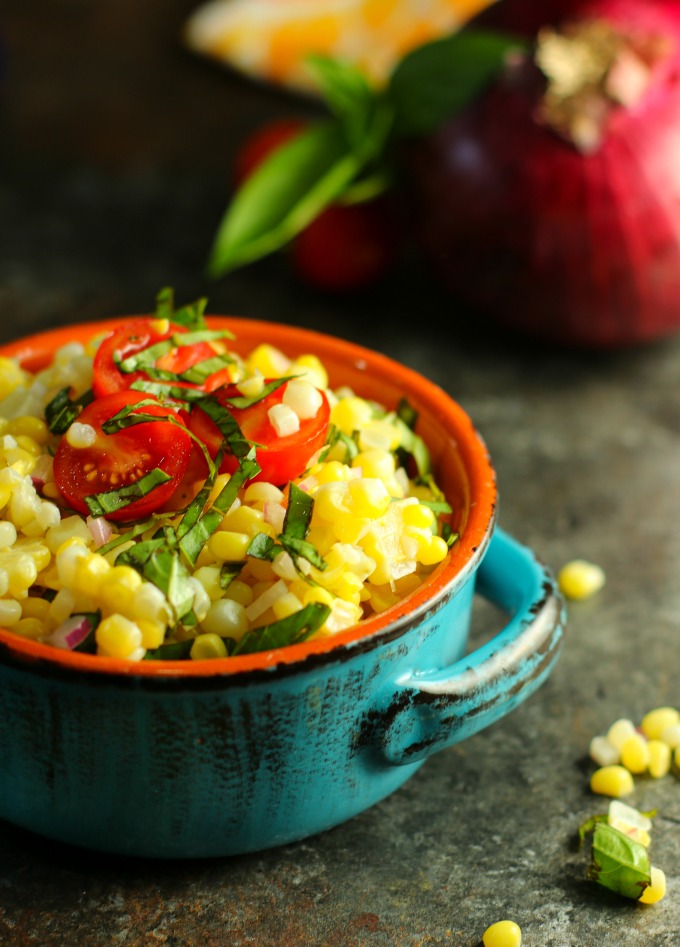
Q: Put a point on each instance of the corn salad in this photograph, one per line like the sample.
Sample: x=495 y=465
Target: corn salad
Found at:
x=376 y=531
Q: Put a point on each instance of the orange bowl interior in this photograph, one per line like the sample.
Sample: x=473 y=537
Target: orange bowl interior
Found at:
x=459 y=456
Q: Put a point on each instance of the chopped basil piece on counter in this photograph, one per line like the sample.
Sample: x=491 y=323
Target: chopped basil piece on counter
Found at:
x=62 y=410
x=99 y=504
x=617 y=861
x=291 y=630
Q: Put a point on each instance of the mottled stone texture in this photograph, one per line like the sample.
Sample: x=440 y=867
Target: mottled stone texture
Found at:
x=114 y=169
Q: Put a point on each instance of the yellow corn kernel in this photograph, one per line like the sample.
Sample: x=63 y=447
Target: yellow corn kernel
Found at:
x=226 y=618
x=268 y=360
x=240 y=592
x=22 y=573
x=502 y=934
x=416 y=514
x=10 y=612
x=5 y=494
x=89 y=571
x=330 y=502
x=671 y=736
x=29 y=445
x=368 y=497
x=332 y=472
x=72 y=529
x=379 y=434
x=657 y=720
x=153 y=632
x=208 y=646
x=161 y=326
x=118 y=637
x=382 y=597
x=61 y=606
x=30 y=628
x=8 y=534
x=614 y=781
x=29 y=426
x=619 y=732
x=209 y=577
x=350 y=529
x=375 y=463
x=635 y=753
x=252 y=386
x=435 y=551
x=351 y=414
x=657 y=889
x=229 y=546
x=676 y=757
x=343 y=615
x=350 y=588
x=315 y=593
x=33 y=607
x=244 y=519
x=149 y=603
x=579 y=579
x=261 y=492
x=312 y=368
x=287 y=605
x=659 y=758
x=11 y=376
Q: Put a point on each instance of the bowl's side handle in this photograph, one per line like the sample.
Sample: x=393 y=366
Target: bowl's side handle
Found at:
x=433 y=710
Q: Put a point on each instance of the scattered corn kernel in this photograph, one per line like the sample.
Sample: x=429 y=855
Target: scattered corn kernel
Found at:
x=619 y=732
x=635 y=754
x=579 y=579
x=657 y=889
x=656 y=721
x=603 y=752
x=671 y=736
x=659 y=758
x=502 y=934
x=614 y=781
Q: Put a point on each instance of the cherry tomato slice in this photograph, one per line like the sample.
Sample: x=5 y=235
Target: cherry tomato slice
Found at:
x=117 y=460
x=281 y=458
x=136 y=336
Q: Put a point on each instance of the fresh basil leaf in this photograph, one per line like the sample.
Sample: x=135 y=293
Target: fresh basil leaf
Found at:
x=336 y=436
x=263 y=546
x=191 y=315
x=62 y=410
x=347 y=93
x=238 y=445
x=618 y=862
x=173 y=651
x=241 y=402
x=100 y=504
x=229 y=572
x=125 y=537
x=291 y=630
x=167 y=392
x=449 y=535
x=301 y=548
x=248 y=468
x=435 y=81
x=198 y=373
x=157 y=560
x=283 y=195
x=298 y=513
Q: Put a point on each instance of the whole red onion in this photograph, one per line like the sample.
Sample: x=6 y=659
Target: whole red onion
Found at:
x=559 y=215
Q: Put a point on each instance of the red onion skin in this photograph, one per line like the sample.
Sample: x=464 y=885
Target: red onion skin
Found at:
x=581 y=250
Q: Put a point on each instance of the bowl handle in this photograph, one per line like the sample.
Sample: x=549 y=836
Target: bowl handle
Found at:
x=433 y=710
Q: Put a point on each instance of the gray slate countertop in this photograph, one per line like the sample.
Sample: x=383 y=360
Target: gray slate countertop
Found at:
x=115 y=147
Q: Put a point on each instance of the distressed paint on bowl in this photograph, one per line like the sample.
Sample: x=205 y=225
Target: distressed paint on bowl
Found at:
x=208 y=758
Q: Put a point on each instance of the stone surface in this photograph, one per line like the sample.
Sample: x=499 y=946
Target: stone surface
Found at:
x=115 y=147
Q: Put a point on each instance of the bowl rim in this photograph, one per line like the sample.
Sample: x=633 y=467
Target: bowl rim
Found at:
x=432 y=594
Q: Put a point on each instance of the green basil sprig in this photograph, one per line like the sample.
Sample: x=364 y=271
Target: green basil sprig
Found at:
x=349 y=157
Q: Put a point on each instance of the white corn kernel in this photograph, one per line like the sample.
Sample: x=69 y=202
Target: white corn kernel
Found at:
x=302 y=398
x=80 y=435
x=284 y=420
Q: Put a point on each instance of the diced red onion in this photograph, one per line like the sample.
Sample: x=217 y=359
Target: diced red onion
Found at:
x=274 y=514
x=100 y=530
x=260 y=605
x=42 y=472
x=70 y=633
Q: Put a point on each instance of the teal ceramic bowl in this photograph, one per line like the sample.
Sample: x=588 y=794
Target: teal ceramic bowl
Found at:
x=211 y=758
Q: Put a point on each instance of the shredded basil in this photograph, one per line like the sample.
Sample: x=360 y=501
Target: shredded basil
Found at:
x=191 y=315
x=173 y=651
x=238 y=445
x=336 y=436
x=198 y=373
x=100 y=504
x=229 y=572
x=129 y=534
x=63 y=410
x=292 y=538
x=291 y=630
x=407 y=413
x=157 y=560
x=241 y=401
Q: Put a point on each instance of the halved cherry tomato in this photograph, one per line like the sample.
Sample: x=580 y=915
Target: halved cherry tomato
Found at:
x=118 y=460
x=281 y=458
x=136 y=336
